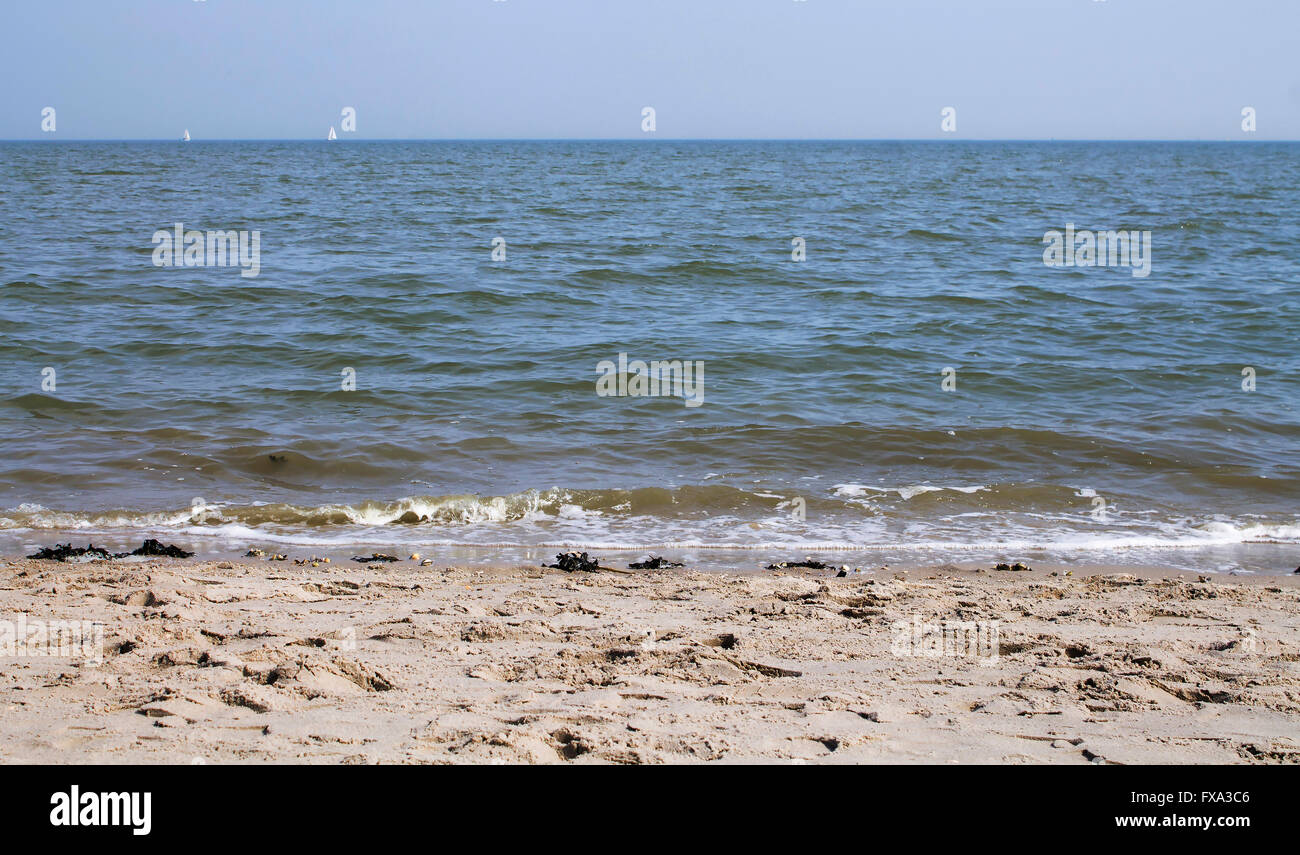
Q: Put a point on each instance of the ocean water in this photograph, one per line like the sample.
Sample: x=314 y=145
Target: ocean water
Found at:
x=921 y=383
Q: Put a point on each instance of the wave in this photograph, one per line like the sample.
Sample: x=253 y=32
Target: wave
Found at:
x=850 y=517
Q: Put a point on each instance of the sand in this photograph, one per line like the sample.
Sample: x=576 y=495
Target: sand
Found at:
x=258 y=661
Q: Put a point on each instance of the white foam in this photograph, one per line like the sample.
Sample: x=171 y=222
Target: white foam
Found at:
x=855 y=491
x=521 y=521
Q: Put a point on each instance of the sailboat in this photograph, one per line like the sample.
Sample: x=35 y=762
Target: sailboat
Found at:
x=186 y=138
x=332 y=136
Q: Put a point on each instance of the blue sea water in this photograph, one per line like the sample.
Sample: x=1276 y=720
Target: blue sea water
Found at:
x=470 y=290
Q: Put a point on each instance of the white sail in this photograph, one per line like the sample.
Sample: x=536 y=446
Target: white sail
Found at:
x=186 y=138
x=332 y=135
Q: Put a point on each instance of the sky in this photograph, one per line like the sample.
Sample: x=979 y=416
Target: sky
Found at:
x=586 y=69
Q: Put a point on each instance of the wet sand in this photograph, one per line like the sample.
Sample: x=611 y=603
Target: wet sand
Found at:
x=255 y=661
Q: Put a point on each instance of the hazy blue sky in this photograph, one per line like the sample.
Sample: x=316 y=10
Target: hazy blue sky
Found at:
x=226 y=69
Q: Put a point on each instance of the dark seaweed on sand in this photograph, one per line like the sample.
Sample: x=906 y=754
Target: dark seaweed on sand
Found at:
x=66 y=551
x=153 y=547
x=572 y=561
x=654 y=562
x=810 y=564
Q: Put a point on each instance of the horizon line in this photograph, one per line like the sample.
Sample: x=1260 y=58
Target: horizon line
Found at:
x=661 y=139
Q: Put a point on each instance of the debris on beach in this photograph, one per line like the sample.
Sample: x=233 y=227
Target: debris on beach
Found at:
x=1017 y=567
x=275 y=556
x=65 y=551
x=90 y=552
x=844 y=571
x=377 y=556
x=154 y=548
x=806 y=563
x=314 y=561
x=654 y=562
x=573 y=561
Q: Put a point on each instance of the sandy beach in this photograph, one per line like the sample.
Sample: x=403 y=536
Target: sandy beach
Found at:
x=257 y=661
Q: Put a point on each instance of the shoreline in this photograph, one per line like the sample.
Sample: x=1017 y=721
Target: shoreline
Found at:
x=272 y=662
x=1267 y=559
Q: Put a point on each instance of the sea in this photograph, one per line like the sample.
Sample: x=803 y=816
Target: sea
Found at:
x=728 y=353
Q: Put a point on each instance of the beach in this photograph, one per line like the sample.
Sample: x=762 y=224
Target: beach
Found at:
x=643 y=384
x=260 y=661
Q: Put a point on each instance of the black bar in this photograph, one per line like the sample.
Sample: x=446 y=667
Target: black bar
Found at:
x=261 y=805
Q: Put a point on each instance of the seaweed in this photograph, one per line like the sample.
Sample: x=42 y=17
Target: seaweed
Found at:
x=153 y=547
x=808 y=563
x=573 y=561
x=66 y=552
x=654 y=562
